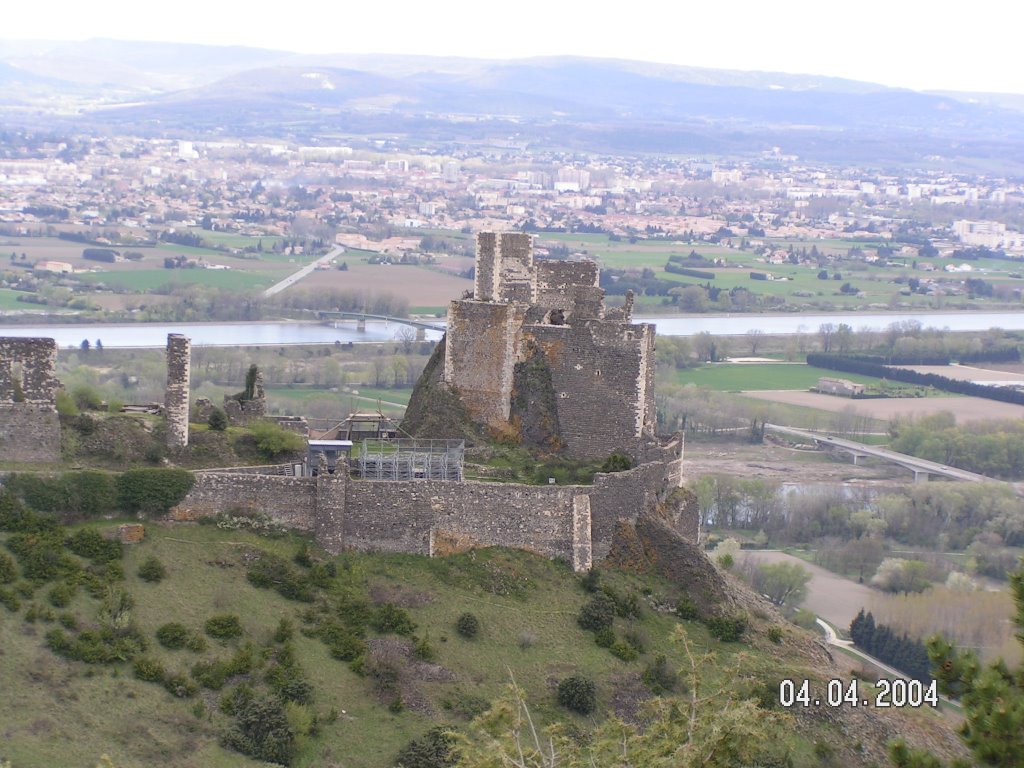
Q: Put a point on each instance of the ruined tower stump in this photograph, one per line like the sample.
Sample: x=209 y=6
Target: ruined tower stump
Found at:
x=176 y=398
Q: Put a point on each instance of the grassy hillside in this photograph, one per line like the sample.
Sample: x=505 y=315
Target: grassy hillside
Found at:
x=401 y=683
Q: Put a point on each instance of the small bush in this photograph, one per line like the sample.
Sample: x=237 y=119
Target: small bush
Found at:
x=468 y=626
x=152 y=570
x=591 y=580
x=213 y=674
x=598 y=613
x=728 y=629
x=578 y=693
x=389 y=618
x=273 y=572
x=637 y=638
x=284 y=632
x=617 y=462
x=89 y=543
x=261 y=730
x=61 y=594
x=8 y=570
x=434 y=749
x=274 y=441
x=172 y=635
x=624 y=651
x=218 y=420
x=605 y=638
x=179 y=686
x=302 y=556
x=659 y=677
x=196 y=643
x=775 y=634
x=686 y=609
x=423 y=650
x=342 y=643
x=223 y=627
x=9 y=600
x=149 y=670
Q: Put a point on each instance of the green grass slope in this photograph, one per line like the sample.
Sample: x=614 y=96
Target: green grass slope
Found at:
x=406 y=679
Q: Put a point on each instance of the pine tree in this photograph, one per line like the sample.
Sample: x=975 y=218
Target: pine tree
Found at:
x=992 y=698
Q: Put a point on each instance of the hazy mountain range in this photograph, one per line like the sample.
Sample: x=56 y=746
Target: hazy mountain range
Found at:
x=598 y=104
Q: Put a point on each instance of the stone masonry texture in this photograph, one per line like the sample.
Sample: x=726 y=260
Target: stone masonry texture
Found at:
x=177 y=393
x=29 y=427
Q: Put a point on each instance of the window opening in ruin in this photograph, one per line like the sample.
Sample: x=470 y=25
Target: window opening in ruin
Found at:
x=17 y=376
x=556 y=317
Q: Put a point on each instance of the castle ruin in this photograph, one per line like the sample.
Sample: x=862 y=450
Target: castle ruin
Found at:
x=176 y=397
x=29 y=427
x=534 y=353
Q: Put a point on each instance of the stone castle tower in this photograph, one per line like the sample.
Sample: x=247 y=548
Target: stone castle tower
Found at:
x=176 y=405
x=535 y=352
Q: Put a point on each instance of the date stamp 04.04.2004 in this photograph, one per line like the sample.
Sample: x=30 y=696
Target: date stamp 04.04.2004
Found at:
x=882 y=693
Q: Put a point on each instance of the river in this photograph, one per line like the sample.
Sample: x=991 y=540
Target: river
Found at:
x=282 y=333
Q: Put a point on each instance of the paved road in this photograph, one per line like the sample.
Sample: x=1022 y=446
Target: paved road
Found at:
x=294 y=278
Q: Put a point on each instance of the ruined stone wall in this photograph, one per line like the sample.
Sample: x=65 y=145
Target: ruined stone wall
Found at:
x=485 y=281
x=424 y=516
x=407 y=516
x=517 y=277
x=176 y=397
x=29 y=433
x=624 y=495
x=481 y=351
x=29 y=427
x=292 y=501
x=602 y=376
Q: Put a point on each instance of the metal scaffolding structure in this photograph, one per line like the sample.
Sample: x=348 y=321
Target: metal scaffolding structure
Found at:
x=408 y=459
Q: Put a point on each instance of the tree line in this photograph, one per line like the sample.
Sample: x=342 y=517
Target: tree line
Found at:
x=899 y=651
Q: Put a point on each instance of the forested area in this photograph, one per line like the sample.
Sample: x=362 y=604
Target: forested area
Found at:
x=993 y=448
x=899 y=651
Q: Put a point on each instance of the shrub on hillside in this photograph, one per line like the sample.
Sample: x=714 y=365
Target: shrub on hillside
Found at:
x=152 y=570
x=153 y=490
x=8 y=571
x=598 y=613
x=659 y=677
x=149 y=670
x=389 y=618
x=223 y=627
x=88 y=542
x=468 y=626
x=218 y=420
x=172 y=635
x=261 y=731
x=578 y=694
x=434 y=749
x=728 y=629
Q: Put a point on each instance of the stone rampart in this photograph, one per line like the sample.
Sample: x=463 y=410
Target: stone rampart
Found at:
x=572 y=522
x=292 y=501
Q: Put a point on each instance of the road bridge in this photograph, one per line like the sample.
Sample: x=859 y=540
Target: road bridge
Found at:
x=361 y=318
x=921 y=468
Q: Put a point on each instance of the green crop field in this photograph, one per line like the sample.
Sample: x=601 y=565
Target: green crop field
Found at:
x=148 y=279
x=726 y=377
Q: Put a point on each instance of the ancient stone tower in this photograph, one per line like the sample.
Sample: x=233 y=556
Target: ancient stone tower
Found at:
x=176 y=399
x=534 y=351
x=29 y=427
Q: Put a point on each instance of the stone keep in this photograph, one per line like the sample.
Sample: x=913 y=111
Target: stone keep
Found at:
x=601 y=366
x=29 y=427
x=176 y=397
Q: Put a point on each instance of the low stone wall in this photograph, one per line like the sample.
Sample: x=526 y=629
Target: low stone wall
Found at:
x=289 y=500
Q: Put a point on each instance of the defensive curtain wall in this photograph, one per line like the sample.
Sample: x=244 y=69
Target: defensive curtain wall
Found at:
x=29 y=427
x=437 y=517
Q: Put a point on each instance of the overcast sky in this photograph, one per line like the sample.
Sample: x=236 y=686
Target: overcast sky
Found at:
x=920 y=44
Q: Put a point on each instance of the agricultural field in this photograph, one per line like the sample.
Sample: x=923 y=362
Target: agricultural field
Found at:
x=737 y=377
x=420 y=286
x=798 y=285
x=966 y=409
